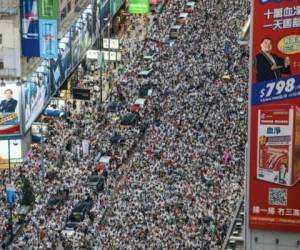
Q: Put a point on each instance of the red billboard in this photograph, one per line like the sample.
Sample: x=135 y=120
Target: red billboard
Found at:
x=274 y=155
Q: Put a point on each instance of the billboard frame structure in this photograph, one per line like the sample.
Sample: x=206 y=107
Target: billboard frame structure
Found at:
x=256 y=238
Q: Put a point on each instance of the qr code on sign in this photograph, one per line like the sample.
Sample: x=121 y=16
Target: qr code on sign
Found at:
x=278 y=196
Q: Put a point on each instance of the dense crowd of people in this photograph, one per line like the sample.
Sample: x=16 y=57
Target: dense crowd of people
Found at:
x=181 y=190
x=175 y=181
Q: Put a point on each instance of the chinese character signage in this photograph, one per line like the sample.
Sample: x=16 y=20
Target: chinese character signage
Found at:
x=10 y=150
x=48 y=29
x=274 y=193
x=48 y=9
x=139 y=6
x=110 y=43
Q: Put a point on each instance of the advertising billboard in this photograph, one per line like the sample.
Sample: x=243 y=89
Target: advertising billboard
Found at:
x=77 y=50
x=10 y=105
x=14 y=154
x=48 y=9
x=83 y=36
x=30 y=28
x=39 y=28
x=56 y=73
x=36 y=93
x=48 y=28
x=65 y=55
x=274 y=187
x=138 y=6
x=48 y=38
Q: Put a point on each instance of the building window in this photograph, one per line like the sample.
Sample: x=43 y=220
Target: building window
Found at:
x=0 y=39
x=69 y=6
x=63 y=14
x=1 y=64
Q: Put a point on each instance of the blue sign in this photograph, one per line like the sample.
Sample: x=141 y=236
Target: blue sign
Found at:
x=48 y=38
x=10 y=195
x=53 y=112
x=274 y=1
x=30 y=28
x=278 y=90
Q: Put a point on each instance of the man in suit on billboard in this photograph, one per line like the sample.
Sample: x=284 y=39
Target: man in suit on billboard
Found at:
x=9 y=104
x=269 y=66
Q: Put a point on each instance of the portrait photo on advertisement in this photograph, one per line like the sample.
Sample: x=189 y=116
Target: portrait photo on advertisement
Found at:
x=268 y=65
x=9 y=109
x=278 y=144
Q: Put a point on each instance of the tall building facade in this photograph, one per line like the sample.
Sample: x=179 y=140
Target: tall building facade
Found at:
x=41 y=43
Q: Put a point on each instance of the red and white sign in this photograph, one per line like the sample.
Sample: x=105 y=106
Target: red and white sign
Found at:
x=274 y=138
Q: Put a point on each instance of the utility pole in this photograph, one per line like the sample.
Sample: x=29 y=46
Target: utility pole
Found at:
x=42 y=153
x=100 y=49
x=11 y=204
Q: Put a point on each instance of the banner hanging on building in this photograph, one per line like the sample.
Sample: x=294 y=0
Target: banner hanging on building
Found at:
x=138 y=6
x=39 y=28
x=30 y=28
x=37 y=91
x=274 y=187
x=48 y=38
x=48 y=29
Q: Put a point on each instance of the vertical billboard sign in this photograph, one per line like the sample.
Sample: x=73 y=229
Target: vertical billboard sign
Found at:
x=48 y=29
x=65 y=55
x=48 y=38
x=274 y=175
x=36 y=93
x=48 y=9
x=10 y=105
x=30 y=28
